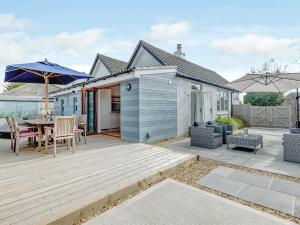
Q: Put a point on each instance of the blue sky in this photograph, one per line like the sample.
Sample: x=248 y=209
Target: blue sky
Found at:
x=229 y=37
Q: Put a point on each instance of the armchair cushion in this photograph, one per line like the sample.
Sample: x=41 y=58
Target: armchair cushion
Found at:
x=217 y=135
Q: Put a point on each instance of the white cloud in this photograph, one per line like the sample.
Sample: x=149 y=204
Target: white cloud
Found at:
x=9 y=21
x=168 y=31
x=82 y=68
x=257 y=45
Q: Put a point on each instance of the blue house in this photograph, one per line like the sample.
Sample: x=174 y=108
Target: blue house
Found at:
x=155 y=95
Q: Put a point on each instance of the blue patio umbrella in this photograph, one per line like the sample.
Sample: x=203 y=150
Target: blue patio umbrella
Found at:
x=42 y=72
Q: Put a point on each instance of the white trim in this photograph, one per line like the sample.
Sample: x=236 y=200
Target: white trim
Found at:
x=136 y=73
x=155 y=70
x=76 y=89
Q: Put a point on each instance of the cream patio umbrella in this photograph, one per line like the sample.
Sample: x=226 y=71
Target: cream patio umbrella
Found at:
x=268 y=82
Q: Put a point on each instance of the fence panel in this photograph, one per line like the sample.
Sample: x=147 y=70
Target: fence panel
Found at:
x=259 y=116
x=265 y=116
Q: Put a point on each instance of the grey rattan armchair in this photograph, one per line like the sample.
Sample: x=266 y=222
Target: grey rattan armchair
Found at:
x=206 y=137
x=291 y=147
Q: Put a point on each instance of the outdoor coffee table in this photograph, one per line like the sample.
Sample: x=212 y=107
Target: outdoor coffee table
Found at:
x=245 y=140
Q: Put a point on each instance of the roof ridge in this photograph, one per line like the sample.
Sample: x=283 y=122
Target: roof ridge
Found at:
x=176 y=56
x=148 y=46
x=102 y=55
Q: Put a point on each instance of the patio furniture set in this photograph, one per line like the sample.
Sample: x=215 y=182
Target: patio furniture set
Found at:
x=212 y=135
x=59 y=128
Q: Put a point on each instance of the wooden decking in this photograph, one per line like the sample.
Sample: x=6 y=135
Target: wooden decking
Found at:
x=59 y=190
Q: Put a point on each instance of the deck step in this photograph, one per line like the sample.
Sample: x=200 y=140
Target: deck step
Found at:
x=60 y=190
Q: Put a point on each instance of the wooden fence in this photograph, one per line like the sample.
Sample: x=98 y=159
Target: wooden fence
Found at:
x=266 y=116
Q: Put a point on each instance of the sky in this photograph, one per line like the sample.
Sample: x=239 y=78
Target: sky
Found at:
x=229 y=37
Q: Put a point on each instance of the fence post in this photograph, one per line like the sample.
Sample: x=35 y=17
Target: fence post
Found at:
x=270 y=116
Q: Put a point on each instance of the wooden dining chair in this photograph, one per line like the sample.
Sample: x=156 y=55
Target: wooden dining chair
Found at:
x=12 y=133
x=64 y=129
x=20 y=132
x=81 y=126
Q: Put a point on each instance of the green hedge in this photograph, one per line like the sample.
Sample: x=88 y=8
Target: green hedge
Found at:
x=237 y=122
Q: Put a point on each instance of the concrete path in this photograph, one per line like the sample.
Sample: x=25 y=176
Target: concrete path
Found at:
x=174 y=203
x=270 y=158
x=267 y=191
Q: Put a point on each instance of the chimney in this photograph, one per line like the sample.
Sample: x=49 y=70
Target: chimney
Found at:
x=179 y=51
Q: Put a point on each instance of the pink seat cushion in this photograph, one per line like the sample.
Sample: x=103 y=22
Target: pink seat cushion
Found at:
x=24 y=130
x=79 y=130
x=28 y=134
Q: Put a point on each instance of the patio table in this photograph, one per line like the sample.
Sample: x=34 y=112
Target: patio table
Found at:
x=40 y=124
x=245 y=140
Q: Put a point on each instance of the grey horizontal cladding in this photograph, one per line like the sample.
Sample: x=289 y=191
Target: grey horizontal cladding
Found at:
x=160 y=134
x=158 y=107
x=160 y=104
x=130 y=118
x=130 y=108
x=129 y=115
x=130 y=124
x=151 y=125
x=130 y=129
x=130 y=111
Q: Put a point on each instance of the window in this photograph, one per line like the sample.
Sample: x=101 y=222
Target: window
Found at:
x=75 y=105
x=62 y=107
x=222 y=100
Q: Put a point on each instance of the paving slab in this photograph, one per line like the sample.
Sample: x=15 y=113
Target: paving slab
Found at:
x=285 y=186
x=297 y=207
x=278 y=194
x=220 y=183
x=251 y=178
x=266 y=197
x=222 y=171
x=174 y=203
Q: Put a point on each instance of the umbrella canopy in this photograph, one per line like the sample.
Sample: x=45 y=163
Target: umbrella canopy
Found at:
x=266 y=82
x=36 y=73
x=42 y=72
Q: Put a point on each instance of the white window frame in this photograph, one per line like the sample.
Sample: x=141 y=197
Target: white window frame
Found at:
x=222 y=100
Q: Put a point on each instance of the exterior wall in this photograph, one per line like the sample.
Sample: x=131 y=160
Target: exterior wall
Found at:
x=212 y=90
x=184 y=88
x=158 y=107
x=149 y=109
x=100 y=69
x=19 y=108
x=68 y=104
x=130 y=111
x=144 y=58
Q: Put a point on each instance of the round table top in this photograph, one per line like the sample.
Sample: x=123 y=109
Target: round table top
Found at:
x=39 y=122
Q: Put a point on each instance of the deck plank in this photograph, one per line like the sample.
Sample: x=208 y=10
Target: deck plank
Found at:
x=47 y=190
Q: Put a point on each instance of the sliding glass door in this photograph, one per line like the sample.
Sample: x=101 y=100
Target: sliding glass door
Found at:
x=89 y=108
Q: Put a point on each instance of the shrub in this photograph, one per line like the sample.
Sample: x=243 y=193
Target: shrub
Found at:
x=236 y=122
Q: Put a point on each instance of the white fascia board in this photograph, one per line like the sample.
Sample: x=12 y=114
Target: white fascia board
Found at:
x=155 y=70
x=136 y=73
x=76 y=89
x=113 y=80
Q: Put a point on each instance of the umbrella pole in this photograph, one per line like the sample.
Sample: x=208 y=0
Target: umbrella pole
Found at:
x=297 y=98
x=46 y=95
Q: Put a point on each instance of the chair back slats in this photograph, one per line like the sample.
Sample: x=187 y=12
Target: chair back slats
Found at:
x=64 y=126
x=81 y=121
x=14 y=125
x=10 y=124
